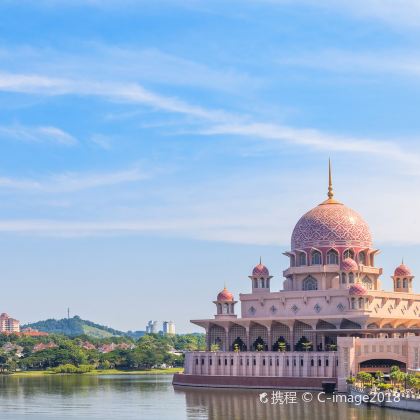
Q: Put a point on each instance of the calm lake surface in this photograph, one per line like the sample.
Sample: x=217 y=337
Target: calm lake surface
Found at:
x=153 y=397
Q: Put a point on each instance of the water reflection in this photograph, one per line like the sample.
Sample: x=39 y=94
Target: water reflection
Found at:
x=224 y=404
x=153 y=397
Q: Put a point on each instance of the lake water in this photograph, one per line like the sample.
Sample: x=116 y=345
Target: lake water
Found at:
x=153 y=397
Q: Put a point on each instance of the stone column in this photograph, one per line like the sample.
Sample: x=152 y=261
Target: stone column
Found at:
x=248 y=339
x=227 y=346
x=269 y=341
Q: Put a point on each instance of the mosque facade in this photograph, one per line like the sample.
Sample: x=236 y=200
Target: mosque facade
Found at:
x=330 y=320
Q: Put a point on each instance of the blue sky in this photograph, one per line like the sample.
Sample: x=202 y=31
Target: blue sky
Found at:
x=152 y=151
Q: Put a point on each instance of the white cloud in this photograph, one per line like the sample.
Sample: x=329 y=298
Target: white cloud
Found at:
x=72 y=181
x=221 y=122
x=368 y=62
x=319 y=140
x=42 y=134
x=399 y=13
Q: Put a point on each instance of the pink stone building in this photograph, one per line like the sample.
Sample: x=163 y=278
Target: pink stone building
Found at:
x=331 y=319
x=8 y=324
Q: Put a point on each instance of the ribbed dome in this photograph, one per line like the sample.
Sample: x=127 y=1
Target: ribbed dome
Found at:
x=225 y=296
x=357 y=290
x=260 y=270
x=331 y=224
x=349 y=264
x=402 y=270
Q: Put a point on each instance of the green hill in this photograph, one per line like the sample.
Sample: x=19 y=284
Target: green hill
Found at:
x=73 y=327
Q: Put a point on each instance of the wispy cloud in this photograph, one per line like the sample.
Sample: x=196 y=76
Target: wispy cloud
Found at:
x=73 y=181
x=401 y=13
x=318 y=140
x=43 y=134
x=217 y=121
x=365 y=62
x=128 y=92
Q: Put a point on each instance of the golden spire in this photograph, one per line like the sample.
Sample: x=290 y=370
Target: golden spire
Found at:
x=330 y=194
x=330 y=187
x=260 y=260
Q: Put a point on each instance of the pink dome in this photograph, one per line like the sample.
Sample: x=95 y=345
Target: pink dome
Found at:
x=349 y=264
x=331 y=224
x=402 y=270
x=357 y=289
x=225 y=296
x=260 y=270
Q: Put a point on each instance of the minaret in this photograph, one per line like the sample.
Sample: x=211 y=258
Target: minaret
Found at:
x=260 y=278
x=403 y=279
x=225 y=304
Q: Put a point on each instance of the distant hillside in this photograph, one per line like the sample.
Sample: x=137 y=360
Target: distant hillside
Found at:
x=75 y=326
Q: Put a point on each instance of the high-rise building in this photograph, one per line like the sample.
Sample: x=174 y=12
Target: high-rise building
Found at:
x=152 y=327
x=8 y=324
x=169 y=327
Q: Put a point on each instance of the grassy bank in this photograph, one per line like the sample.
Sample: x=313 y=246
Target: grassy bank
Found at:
x=105 y=372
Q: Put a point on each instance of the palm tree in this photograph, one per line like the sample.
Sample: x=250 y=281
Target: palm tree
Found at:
x=307 y=345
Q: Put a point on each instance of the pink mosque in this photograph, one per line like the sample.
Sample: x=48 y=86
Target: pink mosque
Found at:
x=331 y=319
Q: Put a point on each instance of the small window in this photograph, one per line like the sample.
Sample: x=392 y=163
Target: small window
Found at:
x=319 y=362
x=310 y=283
x=332 y=257
x=405 y=283
x=302 y=259
x=316 y=258
x=348 y=253
x=343 y=278
x=362 y=258
x=351 y=278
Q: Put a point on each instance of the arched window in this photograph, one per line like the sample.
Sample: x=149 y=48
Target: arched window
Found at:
x=360 y=303
x=255 y=284
x=292 y=261
x=398 y=283
x=262 y=283
x=353 y=303
x=225 y=308
x=310 y=283
x=343 y=278
x=332 y=257
x=351 y=278
x=316 y=258
x=302 y=258
x=362 y=257
x=367 y=283
x=405 y=283
x=348 y=253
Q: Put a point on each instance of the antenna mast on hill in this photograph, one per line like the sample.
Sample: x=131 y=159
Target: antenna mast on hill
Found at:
x=68 y=313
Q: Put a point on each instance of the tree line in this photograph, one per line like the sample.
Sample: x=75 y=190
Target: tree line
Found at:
x=149 y=351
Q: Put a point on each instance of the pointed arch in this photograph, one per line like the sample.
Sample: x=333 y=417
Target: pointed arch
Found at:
x=310 y=283
x=316 y=256
x=367 y=283
x=348 y=253
x=332 y=256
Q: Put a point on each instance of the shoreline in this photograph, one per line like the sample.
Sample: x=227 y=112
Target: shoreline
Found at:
x=35 y=373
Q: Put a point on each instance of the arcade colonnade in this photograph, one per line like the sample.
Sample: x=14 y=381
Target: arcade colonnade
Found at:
x=266 y=335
